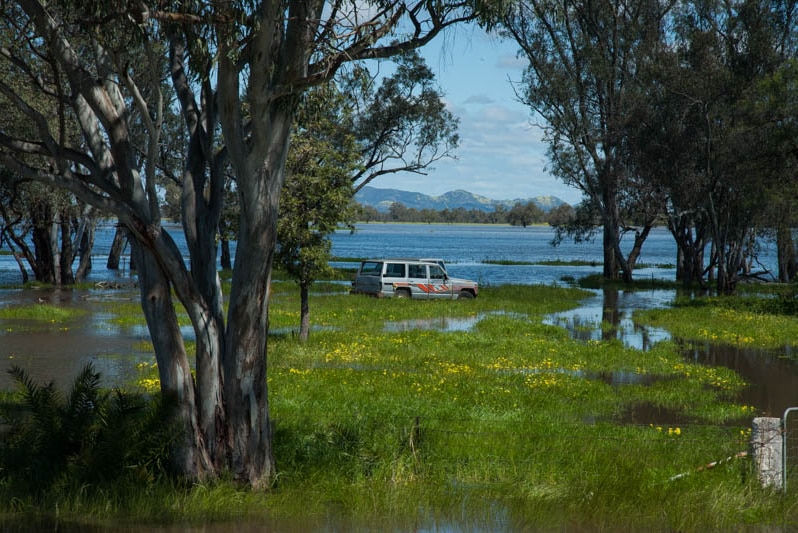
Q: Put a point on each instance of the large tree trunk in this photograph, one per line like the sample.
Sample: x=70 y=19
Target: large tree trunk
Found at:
x=609 y=241
x=67 y=255
x=615 y=264
x=690 y=243
x=611 y=237
x=45 y=245
x=637 y=247
x=189 y=457
x=246 y=394
x=84 y=252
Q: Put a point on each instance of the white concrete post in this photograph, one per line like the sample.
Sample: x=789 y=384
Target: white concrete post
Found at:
x=767 y=451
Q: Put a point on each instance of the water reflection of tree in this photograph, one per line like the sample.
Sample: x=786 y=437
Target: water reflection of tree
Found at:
x=610 y=314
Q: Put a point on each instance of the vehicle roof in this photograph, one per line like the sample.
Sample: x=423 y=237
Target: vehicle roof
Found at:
x=405 y=260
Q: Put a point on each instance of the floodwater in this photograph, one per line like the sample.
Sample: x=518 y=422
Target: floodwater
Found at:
x=772 y=375
x=48 y=352
x=58 y=353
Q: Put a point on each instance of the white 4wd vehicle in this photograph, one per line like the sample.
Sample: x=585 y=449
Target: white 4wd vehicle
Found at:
x=410 y=278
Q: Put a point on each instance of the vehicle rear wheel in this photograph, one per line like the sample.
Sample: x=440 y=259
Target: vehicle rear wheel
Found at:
x=465 y=295
x=402 y=293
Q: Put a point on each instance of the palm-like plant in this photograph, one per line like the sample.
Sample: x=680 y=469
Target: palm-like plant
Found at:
x=89 y=436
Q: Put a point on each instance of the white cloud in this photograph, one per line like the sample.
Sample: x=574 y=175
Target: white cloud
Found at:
x=501 y=154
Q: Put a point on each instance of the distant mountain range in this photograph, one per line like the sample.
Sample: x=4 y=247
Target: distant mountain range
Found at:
x=381 y=200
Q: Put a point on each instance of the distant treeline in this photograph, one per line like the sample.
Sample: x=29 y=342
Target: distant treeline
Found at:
x=519 y=215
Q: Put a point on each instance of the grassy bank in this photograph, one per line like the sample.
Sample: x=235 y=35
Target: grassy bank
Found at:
x=745 y=320
x=469 y=415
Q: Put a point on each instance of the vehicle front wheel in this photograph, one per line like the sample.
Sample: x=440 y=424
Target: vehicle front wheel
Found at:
x=402 y=293
x=465 y=295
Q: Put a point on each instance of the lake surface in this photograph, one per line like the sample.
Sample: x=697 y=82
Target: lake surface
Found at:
x=468 y=249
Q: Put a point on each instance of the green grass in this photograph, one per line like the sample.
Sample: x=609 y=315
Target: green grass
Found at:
x=507 y=425
x=507 y=262
x=743 y=321
x=40 y=313
x=559 y=262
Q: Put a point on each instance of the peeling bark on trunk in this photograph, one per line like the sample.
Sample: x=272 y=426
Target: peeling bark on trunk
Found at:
x=245 y=389
x=189 y=458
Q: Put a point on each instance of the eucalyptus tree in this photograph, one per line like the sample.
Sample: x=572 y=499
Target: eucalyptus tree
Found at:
x=709 y=134
x=779 y=102
x=46 y=230
x=524 y=214
x=739 y=45
x=402 y=126
x=237 y=69
x=666 y=140
x=583 y=60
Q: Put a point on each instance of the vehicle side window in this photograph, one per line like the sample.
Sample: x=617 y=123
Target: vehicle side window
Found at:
x=418 y=271
x=371 y=268
x=395 y=270
x=435 y=272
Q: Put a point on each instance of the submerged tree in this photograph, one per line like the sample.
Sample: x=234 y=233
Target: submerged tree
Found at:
x=99 y=64
x=583 y=59
x=712 y=134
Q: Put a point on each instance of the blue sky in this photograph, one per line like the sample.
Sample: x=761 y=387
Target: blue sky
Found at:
x=501 y=155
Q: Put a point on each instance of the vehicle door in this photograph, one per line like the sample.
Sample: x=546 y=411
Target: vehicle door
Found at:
x=438 y=283
x=369 y=278
x=394 y=280
x=418 y=280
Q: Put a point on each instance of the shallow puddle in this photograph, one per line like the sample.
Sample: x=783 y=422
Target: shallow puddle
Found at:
x=772 y=375
x=608 y=316
x=649 y=413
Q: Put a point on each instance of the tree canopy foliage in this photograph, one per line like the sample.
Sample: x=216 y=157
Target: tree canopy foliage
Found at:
x=673 y=109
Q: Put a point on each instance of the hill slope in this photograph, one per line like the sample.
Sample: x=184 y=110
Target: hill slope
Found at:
x=381 y=200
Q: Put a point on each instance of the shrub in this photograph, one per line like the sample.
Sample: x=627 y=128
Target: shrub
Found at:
x=89 y=437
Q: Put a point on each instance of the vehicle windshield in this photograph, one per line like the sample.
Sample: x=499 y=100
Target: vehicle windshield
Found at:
x=371 y=268
x=435 y=272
